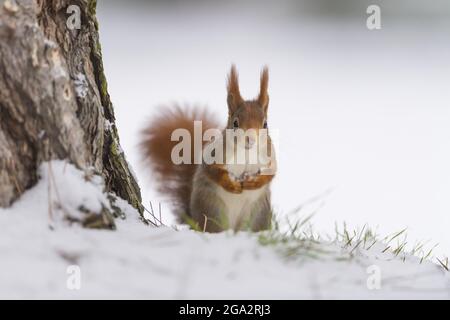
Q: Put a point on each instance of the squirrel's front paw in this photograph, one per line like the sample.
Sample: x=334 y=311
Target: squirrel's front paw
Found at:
x=233 y=187
x=250 y=175
x=250 y=184
x=232 y=184
x=256 y=181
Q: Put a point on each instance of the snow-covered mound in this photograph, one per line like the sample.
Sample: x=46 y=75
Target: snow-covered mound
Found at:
x=42 y=257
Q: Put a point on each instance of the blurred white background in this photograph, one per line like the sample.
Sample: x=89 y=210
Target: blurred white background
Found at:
x=365 y=113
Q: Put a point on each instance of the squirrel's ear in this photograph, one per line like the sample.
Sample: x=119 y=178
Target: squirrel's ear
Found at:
x=263 y=98
x=234 y=96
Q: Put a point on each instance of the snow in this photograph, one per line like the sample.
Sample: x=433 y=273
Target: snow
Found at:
x=67 y=189
x=81 y=85
x=142 y=262
x=108 y=125
x=367 y=112
x=363 y=112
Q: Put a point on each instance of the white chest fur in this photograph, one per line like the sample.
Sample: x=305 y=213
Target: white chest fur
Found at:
x=239 y=205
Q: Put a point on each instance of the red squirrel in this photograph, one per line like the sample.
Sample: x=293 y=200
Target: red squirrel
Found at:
x=215 y=196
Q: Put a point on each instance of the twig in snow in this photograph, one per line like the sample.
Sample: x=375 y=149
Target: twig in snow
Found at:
x=205 y=222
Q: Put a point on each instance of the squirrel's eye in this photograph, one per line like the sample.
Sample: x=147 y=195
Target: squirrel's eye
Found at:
x=236 y=123
x=265 y=124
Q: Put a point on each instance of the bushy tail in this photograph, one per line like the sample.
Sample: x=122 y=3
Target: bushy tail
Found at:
x=173 y=181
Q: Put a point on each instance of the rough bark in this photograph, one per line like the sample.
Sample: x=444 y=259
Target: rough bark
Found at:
x=54 y=102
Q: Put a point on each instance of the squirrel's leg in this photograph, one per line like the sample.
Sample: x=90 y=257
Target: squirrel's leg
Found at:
x=206 y=208
x=221 y=176
x=260 y=214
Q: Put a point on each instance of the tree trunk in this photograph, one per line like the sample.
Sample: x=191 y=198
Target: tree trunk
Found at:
x=54 y=102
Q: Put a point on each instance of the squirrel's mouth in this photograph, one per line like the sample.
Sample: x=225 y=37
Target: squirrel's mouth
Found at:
x=249 y=143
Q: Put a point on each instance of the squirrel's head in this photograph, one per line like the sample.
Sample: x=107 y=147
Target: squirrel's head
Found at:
x=247 y=114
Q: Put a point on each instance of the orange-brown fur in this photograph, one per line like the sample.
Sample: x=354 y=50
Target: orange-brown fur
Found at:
x=176 y=181
x=219 y=174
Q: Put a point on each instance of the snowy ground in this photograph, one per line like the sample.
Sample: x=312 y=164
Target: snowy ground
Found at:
x=364 y=113
x=37 y=250
x=368 y=116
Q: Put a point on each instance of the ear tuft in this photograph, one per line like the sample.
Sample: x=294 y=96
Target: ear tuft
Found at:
x=263 y=98
x=234 y=96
